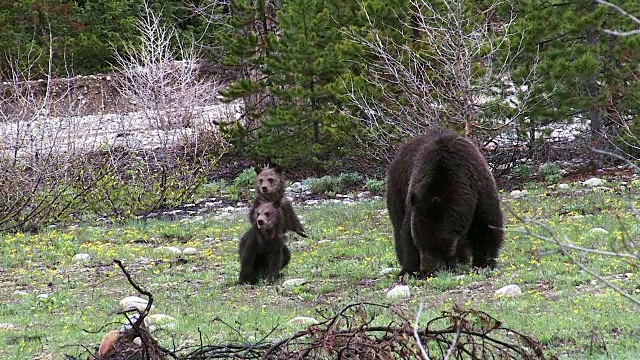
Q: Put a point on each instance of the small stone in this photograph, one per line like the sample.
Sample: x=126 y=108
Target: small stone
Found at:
x=43 y=296
x=294 y=282
x=137 y=341
x=563 y=186
x=598 y=230
x=364 y=195
x=509 y=291
x=81 y=258
x=8 y=326
x=163 y=321
x=189 y=251
x=108 y=342
x=171 y=250
x=386 y=271
x=133 y=302
x=20 y=293
x=302 y=320
x=593 y=182
x=399 y=292
x=517 y=194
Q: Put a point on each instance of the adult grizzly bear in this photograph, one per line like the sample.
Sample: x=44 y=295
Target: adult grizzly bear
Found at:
x=262 y=250
x=443 y=204
x=270 y=186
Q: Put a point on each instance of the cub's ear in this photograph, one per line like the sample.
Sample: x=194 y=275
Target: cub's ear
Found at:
x=258 y=169
x=276 y=203
x=278 y=169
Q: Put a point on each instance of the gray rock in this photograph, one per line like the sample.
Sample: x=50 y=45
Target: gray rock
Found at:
x=170 y=250
x=593 y=182
x=294 y=282
x=598 y=230
x=399 y=292
x=302 y=320
x=386 y=271
x=509 y=291
x=81 y=258
x=189 y=251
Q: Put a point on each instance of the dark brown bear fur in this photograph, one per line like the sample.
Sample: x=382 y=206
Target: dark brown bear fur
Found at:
x=262 y=250
x=270 y=186
x=443 y=204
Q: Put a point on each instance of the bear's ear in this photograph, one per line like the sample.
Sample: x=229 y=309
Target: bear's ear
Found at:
x=278 y=169
x=258 y=169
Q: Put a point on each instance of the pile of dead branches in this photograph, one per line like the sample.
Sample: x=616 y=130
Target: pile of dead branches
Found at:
x=353 y=334
x=456 y=334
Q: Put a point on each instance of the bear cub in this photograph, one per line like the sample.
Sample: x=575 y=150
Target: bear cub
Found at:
x=443 y=204
x=262 y=250
x=270 y=184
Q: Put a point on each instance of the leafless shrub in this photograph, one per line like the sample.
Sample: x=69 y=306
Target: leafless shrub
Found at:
x=454 y=72
x=171 y=137
x=39 y=155
x=160 y=76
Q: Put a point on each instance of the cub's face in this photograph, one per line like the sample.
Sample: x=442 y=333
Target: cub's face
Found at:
x=267 y=216
x=269 y=180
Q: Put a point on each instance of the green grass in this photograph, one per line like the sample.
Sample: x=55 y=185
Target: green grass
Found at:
x=573 y=314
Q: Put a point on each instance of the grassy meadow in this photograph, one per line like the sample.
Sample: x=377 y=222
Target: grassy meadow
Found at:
x=51 y=306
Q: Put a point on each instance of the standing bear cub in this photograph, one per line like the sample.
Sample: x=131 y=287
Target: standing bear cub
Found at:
x=270 y=186
x=262 y=250
x=443 y=204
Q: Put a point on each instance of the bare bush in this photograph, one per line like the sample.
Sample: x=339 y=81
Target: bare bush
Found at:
x=57 y=160
x=40 y=162
x=455 y=72
x=171 y=106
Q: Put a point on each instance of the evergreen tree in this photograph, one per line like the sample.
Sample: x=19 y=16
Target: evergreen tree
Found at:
x=290 y=64
x=305 y=122
x=585 y=73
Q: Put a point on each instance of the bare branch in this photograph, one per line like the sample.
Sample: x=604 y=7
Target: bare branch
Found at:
x=564 y=244
x=446 y=73
x=624 y=13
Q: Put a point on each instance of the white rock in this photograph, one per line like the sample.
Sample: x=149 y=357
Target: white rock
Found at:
x=593 y=182
x=8 y=326
x=171 y=250
x=598 y=230
x=386 y=271
x=509 y=291
x=137 y=341
x=302 y=320
x=364 y=195
x=563 y=186
x=81 y=258
x=294 y=282
x=399 y=292
x=189 y=251
x=518 y=194
x=20 y=293
x=133 y=302
x=163 y=321
x=128 y=322
x=43 y=296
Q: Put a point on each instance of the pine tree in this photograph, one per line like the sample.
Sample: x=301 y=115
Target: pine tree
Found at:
x=305 y=122
x=585 y=73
